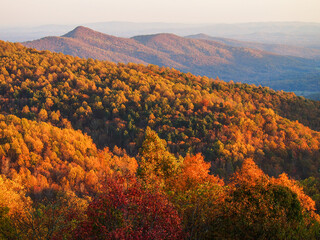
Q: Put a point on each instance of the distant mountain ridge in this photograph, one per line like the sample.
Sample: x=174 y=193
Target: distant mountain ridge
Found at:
x=289 y=33
x=198 y=56
x=281 y=49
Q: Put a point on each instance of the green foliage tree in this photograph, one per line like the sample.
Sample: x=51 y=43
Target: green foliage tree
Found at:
x=311 y=187
x=156 y=163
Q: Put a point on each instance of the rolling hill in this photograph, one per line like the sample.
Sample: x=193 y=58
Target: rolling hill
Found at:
x=198 y=56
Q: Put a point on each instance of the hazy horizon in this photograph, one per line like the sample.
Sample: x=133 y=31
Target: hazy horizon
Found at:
x=20 y=13
x=155 y=22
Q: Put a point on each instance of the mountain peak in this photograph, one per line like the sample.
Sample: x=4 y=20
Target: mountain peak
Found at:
x=79 y=31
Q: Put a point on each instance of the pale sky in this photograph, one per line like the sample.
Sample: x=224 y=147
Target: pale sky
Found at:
x=41 y=12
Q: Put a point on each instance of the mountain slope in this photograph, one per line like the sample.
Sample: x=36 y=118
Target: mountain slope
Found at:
x=114 y=104
x=210 y=58
x=86 y=43
x=201 y=57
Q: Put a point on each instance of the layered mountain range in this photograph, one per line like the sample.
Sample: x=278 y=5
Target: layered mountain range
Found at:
x=199 y=55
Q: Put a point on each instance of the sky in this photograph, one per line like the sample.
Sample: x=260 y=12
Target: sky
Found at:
x=17 y=13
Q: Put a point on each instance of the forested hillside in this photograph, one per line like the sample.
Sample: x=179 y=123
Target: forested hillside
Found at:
x=185 y=160
x=227 y=122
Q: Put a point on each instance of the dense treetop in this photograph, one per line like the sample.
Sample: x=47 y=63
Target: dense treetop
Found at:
x=191 y=157
x=227 y=122
x=41 y=156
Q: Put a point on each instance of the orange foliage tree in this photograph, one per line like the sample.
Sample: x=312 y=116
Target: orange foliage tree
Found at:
x=258 y=206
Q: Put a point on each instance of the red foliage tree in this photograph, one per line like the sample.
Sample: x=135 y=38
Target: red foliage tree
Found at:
x=126 y=211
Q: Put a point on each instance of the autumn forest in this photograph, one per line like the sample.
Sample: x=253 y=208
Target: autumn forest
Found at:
x=92 y=149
